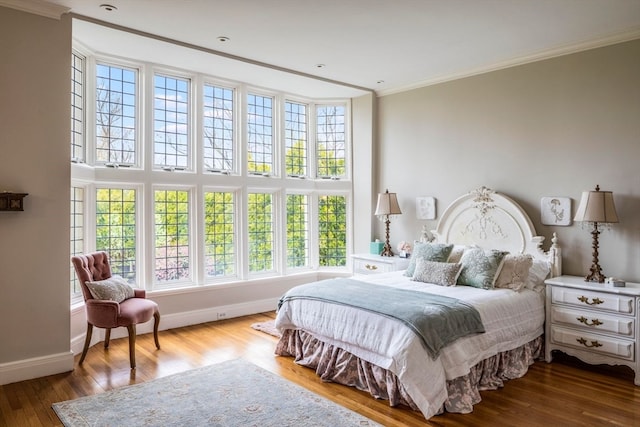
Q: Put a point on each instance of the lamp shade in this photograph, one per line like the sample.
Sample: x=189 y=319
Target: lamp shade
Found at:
x=596 y=206
x=387 y=204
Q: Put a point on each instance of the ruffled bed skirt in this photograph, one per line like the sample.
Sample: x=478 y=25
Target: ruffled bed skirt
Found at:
x=334 y=364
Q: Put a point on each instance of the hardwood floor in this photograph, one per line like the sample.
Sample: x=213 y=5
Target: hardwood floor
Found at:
x=563 y=393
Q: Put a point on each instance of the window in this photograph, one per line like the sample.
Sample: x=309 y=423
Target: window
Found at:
x=260 y=134
x=77 y=235
x=219 y=239
x=331 y=141
x=172 y=257
x=115 y=115
x=332 y=224
x=77 y=107
x=171 y=122
x=297 y=231
x=116 y=229
x=295 y=126
x=260 y=232
x=218 y=128
x=223 y=221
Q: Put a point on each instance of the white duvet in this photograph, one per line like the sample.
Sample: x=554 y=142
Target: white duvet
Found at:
x=511 y=319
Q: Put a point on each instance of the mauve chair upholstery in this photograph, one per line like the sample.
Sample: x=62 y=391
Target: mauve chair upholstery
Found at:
x=110 y=314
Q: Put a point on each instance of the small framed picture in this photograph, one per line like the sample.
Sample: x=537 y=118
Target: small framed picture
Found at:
x=425 y=207
x=555 y=210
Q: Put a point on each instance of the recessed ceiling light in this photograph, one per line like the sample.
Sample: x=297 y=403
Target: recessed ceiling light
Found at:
x=108 y=7
x=223 y=39
x=320 y=65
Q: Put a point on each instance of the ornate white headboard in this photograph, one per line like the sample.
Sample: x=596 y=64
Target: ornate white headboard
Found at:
x=492 y=220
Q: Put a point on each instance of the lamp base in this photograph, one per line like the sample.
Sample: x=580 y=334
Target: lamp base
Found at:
x=595 y=274
x=387 y=250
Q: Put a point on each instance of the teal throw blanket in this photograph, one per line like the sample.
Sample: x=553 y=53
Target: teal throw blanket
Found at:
x=436 y=319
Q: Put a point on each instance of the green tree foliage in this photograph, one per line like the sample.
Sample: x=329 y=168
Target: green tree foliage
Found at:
x=332 y=225
x=116 y=229
x=172 y=234
x=297 y=231
x=260 y=231
x=219 y=234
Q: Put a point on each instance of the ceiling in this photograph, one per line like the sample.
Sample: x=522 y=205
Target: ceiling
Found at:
x=364 y=45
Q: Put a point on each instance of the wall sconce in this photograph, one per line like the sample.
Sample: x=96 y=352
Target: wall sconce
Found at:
x=596 y=207
x=387 y=206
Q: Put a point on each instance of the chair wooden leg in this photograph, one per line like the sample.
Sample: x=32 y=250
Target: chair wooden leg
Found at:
x=87 y=341
x=107 y=337
x=132 y=345
x=156 y=323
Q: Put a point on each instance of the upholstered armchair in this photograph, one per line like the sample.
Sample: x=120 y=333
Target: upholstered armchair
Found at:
x=108 y=314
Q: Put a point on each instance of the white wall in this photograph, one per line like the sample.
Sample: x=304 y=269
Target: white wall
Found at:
x=34 y=158
x=550 y=128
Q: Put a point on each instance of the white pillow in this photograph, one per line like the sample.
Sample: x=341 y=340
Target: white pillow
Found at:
x=115 y=288
x=538 y=272
x=514 y=272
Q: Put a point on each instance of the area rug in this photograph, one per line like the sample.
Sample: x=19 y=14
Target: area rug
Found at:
x=233 y=393
x=268 y=327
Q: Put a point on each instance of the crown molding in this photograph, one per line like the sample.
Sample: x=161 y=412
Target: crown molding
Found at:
x=37 y=7
x=621 y=37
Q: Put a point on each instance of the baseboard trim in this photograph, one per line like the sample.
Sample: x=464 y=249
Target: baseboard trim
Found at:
x=35 y=367
x=178 y=320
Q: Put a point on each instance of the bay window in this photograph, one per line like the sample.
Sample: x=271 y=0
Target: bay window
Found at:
x=194 y=181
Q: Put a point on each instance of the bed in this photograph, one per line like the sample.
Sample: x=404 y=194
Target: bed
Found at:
x=384 y=354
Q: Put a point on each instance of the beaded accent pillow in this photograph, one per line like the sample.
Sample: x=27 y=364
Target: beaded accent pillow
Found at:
x=115 y=288
x=438 y=273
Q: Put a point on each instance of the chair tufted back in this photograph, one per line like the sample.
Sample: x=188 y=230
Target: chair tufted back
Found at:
x=91 y=267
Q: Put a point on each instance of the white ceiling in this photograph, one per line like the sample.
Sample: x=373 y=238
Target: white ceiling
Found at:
x=381 y=45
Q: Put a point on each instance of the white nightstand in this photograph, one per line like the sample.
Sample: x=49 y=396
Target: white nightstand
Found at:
x=593 y=322
x=375 y=264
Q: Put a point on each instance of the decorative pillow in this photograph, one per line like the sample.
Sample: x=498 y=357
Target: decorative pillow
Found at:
x=480 y=268
x=539 y=271
x=115 y=288
x=456 y=253
x=438 y=252
x=515 y=272
x=438 y=273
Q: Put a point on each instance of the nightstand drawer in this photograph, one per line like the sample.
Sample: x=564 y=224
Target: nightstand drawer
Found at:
x=365 y=266
x=593 y=300
x=594 y=343
x=376 y=264
x=593 y=321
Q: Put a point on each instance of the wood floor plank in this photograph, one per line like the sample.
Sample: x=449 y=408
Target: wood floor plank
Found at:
x=566 y=392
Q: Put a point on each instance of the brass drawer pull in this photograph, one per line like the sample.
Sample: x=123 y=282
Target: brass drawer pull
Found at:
x=592 y=344
x=594 y=322
x=371 y=266
x=585 y=300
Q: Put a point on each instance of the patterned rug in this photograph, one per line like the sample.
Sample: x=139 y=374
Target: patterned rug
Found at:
x=233 y=393
x=267 y=327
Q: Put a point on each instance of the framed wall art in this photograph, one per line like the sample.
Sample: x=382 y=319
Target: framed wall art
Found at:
x=425 y=207
x=555 y=211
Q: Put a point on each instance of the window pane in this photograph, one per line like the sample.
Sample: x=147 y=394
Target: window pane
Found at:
x=260 y=134
x=260 y=230
x=332 y=225
x=331 y=141
x=116 y=229
x=295 y=127
x=218 y=128
x=171 y=121
x=171 y=235
x=115 y=114
x=297 y=230
x=219 y=244
x=77 y=234
x=77 y=107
